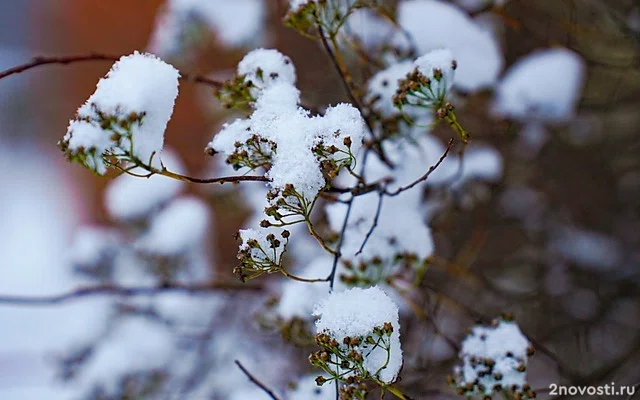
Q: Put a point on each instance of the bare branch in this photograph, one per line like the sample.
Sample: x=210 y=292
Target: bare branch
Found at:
x=426 y=174
x=374 y=224
x=65 y=60
x=257 y=382
x=121 y=291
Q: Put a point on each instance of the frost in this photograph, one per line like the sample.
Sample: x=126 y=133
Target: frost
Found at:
x=128 y=197
x=127 y=114
x=543 y=86
x=361 y=313
x=178 y=228
x=235 y=23
x=434 y=24
x=494 y=357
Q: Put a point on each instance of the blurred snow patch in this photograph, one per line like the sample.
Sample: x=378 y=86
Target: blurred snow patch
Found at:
x=434 y=25
x=543 y=86
x=587 y=249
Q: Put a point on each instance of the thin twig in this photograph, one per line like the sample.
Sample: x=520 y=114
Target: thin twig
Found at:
x=301 y=279
x=426 y=174
x=256 y=382
x=374 y=224
x=65 y=60
x=338 y=253
x=350 y=87
x=122 y=291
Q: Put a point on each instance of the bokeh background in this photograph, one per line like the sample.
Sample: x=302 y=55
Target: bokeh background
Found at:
x=556 y=241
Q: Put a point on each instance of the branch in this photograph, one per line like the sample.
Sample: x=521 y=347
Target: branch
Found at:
x=374 y=224
x=259 y=384
x=349 y=85
x=426 y=174
x=337 y=254
x=122 y=291
x=65 y=60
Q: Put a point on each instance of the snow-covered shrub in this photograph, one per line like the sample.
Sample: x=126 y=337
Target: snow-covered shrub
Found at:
x=125 y=119
x=344 y=208
x=494 y=359
x=358 y=332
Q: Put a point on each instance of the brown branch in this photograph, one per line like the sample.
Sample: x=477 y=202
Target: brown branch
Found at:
x=426 y=174
x=121 y=291
x=374 y=224
x=255 y=381
x=350 y=87
x=65 y=60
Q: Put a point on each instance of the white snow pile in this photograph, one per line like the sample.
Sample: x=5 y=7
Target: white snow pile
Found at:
x=126 y=115
x=543 y=86
x=234 y=23
x=435 y=24
x=130 y=198
x=266 y=67
x=355 y=313
x=493 y=358
x=279 y=121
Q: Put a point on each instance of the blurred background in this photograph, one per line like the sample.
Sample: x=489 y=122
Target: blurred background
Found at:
x=555 y=241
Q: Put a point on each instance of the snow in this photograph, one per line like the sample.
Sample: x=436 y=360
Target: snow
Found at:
x=253 y=393
x=40 y=210
x=296 y=4
x=139 y=92
x=133 y=345
x=178 y=228
x=129 y=197
x=544 y=86
x=278 y=119
x=355 y=313
x=369 y=29
x=266 y=67
x=481 y=162
x=306 y=388
x=383 y=86
x=298 y=298
x=588 y=249
x=235 y=23
x=260 y=245
x=441 y=60
x=92 y=245
x=506 y=348
x=435 y=24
